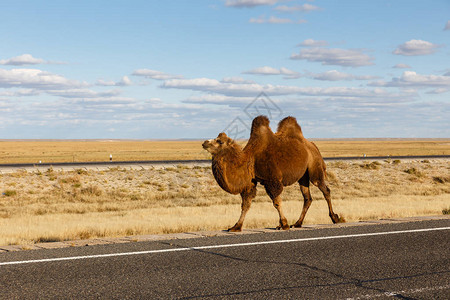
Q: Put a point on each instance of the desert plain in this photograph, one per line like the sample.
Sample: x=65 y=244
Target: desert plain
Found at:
x=43 y=205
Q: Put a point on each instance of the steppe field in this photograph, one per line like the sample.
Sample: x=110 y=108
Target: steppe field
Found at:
x=50 y=151
x=41 y=205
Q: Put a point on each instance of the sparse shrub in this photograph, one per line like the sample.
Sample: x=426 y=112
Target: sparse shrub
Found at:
x=396 y=162
x=81 y=172
x=446 y=211
x=426 y=161
x=339 y=165
x=10 y=193
x=331 y=176
x=372 y=166
x=135 y=197
x=71 y=179
x=415 y=172
x=92 y=190
x=441 y=179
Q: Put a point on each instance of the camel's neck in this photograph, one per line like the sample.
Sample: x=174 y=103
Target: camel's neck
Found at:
x=232 y=169
x=230 y=155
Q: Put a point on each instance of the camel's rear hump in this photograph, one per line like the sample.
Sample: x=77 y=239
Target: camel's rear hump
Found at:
x=289 y=127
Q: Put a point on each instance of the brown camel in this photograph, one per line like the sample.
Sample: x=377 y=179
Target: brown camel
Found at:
x=279 y=160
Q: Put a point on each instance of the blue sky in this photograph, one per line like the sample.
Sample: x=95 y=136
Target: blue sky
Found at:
x=190 y=69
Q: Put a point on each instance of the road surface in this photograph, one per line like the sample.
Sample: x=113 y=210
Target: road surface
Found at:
x=398 y=260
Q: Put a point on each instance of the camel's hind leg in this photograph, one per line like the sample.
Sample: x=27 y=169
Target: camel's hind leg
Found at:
x=327 y=194
x=247 y=197
x=304 y=188
x=274 y=190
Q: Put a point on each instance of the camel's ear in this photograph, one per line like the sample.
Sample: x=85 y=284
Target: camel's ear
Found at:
x=229 y=141
x=222 y=135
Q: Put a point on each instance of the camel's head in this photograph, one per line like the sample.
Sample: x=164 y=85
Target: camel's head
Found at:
x=216 y=145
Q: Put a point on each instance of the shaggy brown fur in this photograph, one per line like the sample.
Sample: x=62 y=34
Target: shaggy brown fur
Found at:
x=278 y=159
x=233 y=170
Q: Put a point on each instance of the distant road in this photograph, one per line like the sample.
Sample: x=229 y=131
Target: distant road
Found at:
x=398 y=260
x=197 y=161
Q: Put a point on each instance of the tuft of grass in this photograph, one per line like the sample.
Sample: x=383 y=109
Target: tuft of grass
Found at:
x=446 y=211
x=396 y=162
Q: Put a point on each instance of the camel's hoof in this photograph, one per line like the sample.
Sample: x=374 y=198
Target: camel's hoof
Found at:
x=284 y=227
x=296 y=226
x=336 y=219
x=234 y=229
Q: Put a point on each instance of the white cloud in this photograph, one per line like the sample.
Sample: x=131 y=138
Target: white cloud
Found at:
x=439 y=91
x=25 y=59
x=402 y=66
x=249 y=3
x=447 y=26
x=250 y=90
x=335 y=75
x=218 y=99
x=83 y=93
x=289 y=74
x=34 y=78
x=300 y=8
x=125 y=81
x=153 y=74
x=416 y=47
x=20 y=93
x=313 y=43
x=236 y=80
x=335 y=56
x=412 y=79
x=275 y=20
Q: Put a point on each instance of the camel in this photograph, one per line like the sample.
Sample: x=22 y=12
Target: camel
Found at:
x=274 y=160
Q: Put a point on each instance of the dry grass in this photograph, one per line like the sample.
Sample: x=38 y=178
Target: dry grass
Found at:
x=81 y=151
x=56 y=205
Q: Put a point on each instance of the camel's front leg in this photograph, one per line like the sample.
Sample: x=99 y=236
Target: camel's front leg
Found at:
x=247 y=197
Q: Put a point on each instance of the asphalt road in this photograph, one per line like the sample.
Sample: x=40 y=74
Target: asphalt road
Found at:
x=196 y=161
x=404 y=260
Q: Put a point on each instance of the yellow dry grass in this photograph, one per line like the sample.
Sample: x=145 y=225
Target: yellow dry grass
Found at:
x=122 y=150
x=66 y=205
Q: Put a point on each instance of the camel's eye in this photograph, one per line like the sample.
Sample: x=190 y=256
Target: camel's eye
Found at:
x=219 y=142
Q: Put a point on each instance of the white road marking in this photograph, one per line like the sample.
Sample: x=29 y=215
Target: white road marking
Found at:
x=403 y=292
x=219 y=246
